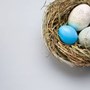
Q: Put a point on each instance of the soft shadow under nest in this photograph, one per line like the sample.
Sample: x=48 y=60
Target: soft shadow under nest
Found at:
x=56 y=15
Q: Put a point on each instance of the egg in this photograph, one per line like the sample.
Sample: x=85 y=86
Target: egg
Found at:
x=84 y=37
x=67 y=34
x=79 y=17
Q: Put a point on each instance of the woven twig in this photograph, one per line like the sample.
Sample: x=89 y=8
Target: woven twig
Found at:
x=56 y=14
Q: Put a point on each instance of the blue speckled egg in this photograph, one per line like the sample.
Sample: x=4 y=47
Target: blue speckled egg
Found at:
x=67 y=34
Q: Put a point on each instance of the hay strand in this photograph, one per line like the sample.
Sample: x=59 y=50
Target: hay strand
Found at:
x=56 y=15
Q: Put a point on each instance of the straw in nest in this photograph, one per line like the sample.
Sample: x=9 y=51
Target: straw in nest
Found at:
x=56 y=15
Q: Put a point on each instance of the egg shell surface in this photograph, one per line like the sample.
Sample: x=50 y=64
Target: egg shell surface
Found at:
x=67 y=34
x=79 y=17
x=84 y=37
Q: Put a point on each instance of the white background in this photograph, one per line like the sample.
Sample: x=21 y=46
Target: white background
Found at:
x=25 y=63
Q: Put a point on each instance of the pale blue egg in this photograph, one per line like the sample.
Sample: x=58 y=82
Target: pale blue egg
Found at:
x=67 y=34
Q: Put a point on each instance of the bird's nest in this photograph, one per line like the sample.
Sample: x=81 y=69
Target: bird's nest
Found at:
x=56 y=14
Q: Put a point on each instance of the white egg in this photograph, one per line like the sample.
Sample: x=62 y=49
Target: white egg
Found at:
x=79 y=17
x=84 y=37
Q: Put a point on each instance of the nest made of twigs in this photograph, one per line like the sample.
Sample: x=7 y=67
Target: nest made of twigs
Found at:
x=56 y=15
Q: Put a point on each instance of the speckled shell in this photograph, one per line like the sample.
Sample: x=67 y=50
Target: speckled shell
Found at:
x=79 y=17
x=84 y=37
